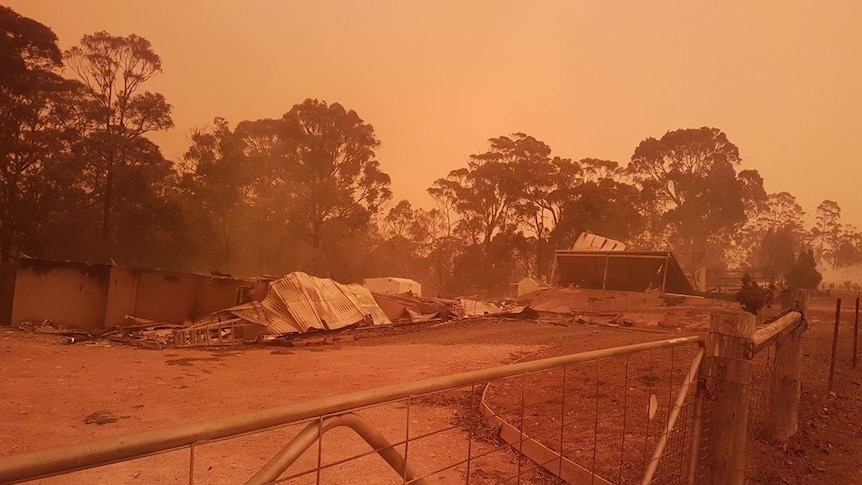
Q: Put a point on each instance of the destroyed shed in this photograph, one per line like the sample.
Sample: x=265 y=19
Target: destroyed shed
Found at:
x=622 y=271
x=588 y=241
x=529 y=285
x=297 y=303
x=97 y=296
x=389 y=285
x=407 y=308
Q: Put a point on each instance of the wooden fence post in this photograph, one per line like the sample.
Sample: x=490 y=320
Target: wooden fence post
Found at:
x=727 y=388
x=856 y=333
x=834 y=346
x=785 y=382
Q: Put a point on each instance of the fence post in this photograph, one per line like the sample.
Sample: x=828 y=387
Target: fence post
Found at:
x=834 y=346
x=726 y=375
x=785 y=383
x=856 y=333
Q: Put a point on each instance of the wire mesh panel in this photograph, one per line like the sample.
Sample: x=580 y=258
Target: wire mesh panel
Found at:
x=783 y=370
x=610 y=415
x=816 y=346
x=613 y=416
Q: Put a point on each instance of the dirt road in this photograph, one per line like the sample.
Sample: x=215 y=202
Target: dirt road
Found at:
x=55 y=394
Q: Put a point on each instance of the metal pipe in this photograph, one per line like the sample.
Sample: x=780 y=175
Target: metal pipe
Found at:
x=192 y=464
x=695 y=433
x=45 y=463
x=671 y=420
x=311 y=433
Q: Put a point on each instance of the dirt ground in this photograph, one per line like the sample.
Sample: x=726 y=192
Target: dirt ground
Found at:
x=828 y=447
x=55 y=395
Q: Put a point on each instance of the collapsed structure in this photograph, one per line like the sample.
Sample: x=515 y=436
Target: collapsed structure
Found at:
x=95 y=297
x=393 y=285
x=294 y=303
x=166 y=308
x=604 y=264
x=528 y=285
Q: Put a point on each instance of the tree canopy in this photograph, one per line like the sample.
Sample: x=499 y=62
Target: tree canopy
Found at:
x=311 y=178
x=37 y=120
x=81 y=179
x=696 y=194
x=121 y=164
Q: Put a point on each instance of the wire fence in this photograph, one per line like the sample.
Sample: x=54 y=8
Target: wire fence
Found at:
x=828 y=352
x=613 y=417
x=831 y=349
x=598 y=422
x=815 y=361
x=609 y=416
x=623 y=415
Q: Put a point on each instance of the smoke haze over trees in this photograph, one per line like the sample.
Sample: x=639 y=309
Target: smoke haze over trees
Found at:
x=80 y=179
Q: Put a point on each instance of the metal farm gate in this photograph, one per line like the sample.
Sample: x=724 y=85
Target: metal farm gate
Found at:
x=673 y=411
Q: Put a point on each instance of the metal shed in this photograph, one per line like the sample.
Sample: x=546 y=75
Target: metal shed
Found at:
x=393 y=285
x=622 y=271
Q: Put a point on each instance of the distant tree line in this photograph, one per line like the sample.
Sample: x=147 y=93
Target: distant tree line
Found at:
x=80 y=179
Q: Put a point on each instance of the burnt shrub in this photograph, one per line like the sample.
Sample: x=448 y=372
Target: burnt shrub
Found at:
x=751 y=296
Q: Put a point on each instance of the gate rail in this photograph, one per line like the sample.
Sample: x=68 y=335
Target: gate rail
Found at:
x=56 y=461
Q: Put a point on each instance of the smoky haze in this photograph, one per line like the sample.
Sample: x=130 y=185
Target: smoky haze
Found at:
x=446 y=85
x=589 y=78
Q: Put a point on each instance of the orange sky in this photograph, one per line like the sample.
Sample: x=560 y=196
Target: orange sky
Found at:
x=592 y=79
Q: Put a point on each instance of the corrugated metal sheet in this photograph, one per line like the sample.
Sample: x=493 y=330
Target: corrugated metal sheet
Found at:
x=369 y=304
x=593 y=242
x=404 y=280
x=476 y=308
x=254 y=312
x=391 y=284
x=299 y=302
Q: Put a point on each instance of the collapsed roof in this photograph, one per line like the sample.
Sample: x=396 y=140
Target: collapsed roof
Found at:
x=588 y=241
x=416 y=308
x=622 y=271
x=391 y=284
x=299 y=302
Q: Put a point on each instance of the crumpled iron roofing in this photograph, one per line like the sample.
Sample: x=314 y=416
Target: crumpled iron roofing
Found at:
x=298 y=302
x=593 y=242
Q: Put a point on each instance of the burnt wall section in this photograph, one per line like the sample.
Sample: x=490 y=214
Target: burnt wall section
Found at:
x=85 y=296
x=70 y=294
x=122 y=296
x=7 y=292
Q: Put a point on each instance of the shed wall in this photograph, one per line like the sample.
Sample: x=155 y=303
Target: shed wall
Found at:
x=165 y=296
x=122 y=293
x=214 y=294
x=71 y=295
x=7 y=292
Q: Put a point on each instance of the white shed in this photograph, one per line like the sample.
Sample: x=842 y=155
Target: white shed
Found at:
x=529 y=285
x=389 y=284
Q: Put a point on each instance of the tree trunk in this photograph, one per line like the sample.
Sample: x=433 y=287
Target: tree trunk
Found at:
x=5 y=246
x=541 y=264
x=107 y=207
